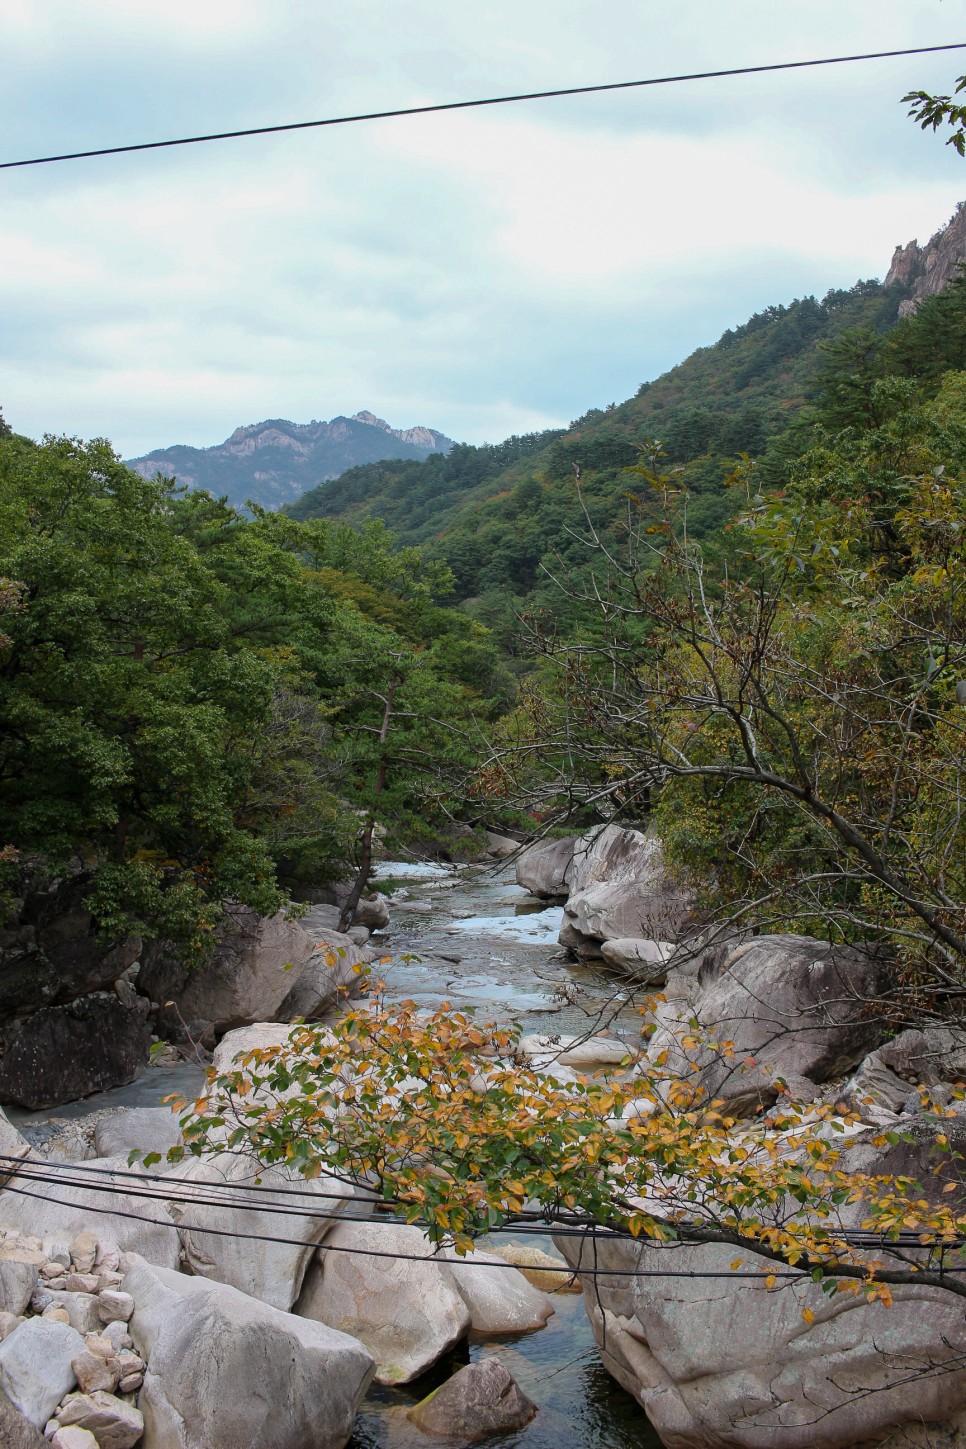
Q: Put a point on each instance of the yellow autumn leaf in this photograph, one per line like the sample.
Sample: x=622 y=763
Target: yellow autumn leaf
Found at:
x=808 y=1315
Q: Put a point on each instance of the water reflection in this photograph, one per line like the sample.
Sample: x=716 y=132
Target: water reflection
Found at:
x=580 y=1405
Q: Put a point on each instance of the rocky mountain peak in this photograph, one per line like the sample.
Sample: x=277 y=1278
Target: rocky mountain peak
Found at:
x=929 y=269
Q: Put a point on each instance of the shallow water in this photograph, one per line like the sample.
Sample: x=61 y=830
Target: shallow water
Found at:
x=509 y=967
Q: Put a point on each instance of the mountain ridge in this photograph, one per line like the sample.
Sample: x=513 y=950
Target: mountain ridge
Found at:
x=275 y=461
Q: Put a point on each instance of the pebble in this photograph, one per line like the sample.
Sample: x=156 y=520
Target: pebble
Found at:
x=81 y=1283
x=99 y=1343
x=113 y=1306
x=83 y=1251
x=95 y=1372
x=56 y=1314
x=73 y=1438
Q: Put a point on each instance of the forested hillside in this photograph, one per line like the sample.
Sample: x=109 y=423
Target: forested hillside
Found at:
x=198 y=706
x=496 y=514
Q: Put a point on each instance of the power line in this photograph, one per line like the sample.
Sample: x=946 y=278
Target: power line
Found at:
x=468 y=1261
x=586 y=1232
x=161 y=1187
x=664 y=80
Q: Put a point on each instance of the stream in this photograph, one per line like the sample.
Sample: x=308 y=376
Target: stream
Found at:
x=471 y=936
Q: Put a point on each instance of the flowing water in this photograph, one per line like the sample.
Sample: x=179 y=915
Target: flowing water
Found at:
x=473 y=938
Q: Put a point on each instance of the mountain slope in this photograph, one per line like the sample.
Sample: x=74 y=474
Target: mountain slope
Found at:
x=274 y=462
x=502 y=515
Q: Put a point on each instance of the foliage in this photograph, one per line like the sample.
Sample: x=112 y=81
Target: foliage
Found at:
x=934 y=111
x=789 y=709
x=185 y=690
x=431 y=1111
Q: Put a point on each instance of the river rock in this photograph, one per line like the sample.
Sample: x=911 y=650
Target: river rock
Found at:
x=16 y=1432
x=17 y=1282
x=35 y=1367
x=479 y=1400
x=574 y=1051
x=500 y=846
x=80 y=1310
x=132 y=1223
x=142 y=1129
x=793 y=1007
x=545 y=870
x=406 y=1313
x=225 y=1370
x=725 y=1361
x=260 y=1036
x=499 y=1299
x=372 y=913
x=114 y=1423
x=270 y=1271
x=332 y=974
x=620 y=888
x=644 y=961
x=61 y=1053
x=248 y=975
x=73 y=1438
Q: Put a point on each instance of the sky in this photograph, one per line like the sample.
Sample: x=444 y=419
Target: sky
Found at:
x=484 y=273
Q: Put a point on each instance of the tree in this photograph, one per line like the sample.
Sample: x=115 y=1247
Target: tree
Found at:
x=934 y=111
x=433 y=1113
x=793 y=707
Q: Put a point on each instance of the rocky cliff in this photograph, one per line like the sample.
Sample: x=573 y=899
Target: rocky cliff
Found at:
x=276 y=461
x=927 y=270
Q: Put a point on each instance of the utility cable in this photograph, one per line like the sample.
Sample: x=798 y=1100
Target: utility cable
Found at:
x=664 y=80
x=578 y=1231
x=468 y=1261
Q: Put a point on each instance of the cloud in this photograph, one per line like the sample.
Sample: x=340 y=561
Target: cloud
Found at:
x=481 y=272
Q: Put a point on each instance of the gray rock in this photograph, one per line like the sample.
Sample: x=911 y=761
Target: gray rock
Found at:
x=479 y=1400
x=113 y=1423
x=545 y=870
x=620 y=888
x=133 y=1223
x=81 y=1309
x=17 y=1283
x=406 y=1313
x=790 y=1005
x=143 y=1129
x=500 y=846
x=244 y=979
x=332 y=974
x=52 y=955
x=270 y=1271
x=644 y=961
x=65 y=1052
x=16 y=1432
x=225 y=1370
x=499 y=1299
x=936 y=1054
x=724 y=1361
x=372 y=912
x=35 y=1367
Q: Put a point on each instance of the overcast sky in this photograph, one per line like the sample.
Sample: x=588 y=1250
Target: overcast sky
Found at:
x=482 y=273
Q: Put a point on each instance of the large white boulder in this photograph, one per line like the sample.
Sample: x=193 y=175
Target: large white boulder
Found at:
x=407 y=1313
x=724 y=1363
x=261 y=969
x=545 y=869
x=35 y=1366
x=99 y=1195
x=229 y=1242
x=225 y=1370
x=620 y=888
x=644 y=961
x=141 y=1129
x=499 y=1298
